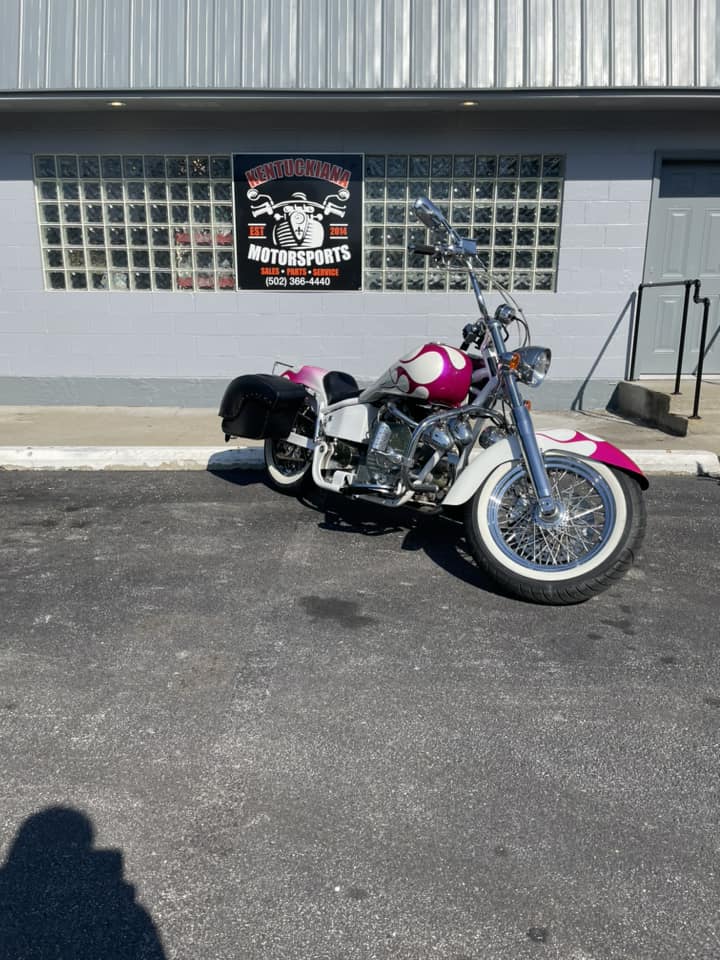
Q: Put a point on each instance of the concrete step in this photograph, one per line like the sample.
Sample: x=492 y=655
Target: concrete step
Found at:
x=653 y=403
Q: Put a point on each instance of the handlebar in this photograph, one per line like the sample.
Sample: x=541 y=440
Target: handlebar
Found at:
x=465 y=250
x=461 y=248
x=473 y=333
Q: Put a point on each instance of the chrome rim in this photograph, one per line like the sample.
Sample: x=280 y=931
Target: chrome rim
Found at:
x=583 y=525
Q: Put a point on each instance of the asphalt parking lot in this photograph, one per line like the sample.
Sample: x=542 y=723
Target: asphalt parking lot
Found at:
x=234 y=725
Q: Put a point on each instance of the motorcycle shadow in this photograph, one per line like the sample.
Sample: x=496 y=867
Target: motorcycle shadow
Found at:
x=440 y=536
x=240 y=478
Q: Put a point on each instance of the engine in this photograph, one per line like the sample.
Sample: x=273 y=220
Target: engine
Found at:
x=434 y=454
x=387 y=447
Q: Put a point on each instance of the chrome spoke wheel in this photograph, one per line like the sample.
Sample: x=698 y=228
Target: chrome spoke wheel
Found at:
x=579 y=550
x=288 y=465
x=584 y=519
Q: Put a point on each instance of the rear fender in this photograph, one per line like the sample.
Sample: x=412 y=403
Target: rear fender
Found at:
x=560 y=441
x=310 y=377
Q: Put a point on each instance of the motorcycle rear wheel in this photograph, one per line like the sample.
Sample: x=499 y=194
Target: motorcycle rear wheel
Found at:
x=288 y=466
x=582 y=551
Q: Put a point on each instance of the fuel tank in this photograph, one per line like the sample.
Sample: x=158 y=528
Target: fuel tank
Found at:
x=436 y=373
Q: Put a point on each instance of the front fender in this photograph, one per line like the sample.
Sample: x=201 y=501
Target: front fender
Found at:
x=560 y=441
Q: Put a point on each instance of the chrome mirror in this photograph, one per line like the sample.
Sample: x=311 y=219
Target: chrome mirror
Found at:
x=429 y=215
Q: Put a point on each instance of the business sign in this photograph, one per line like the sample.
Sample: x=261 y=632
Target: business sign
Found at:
x=298 y=221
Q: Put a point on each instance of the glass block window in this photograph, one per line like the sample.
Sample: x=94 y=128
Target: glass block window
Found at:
x=157 y=222
x=509 y=203
x=112 y=222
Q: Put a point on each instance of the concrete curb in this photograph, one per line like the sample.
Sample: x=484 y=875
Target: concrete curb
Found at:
x=693 y=462
x=130 y=458
x=653 y=462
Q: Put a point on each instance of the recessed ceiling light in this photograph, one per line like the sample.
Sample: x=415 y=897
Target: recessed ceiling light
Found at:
x=469 y=103
x=116 y=103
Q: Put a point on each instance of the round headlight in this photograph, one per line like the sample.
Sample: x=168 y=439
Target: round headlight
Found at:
x=534 y=364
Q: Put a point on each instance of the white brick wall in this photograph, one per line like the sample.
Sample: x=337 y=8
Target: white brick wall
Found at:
x=205 y=335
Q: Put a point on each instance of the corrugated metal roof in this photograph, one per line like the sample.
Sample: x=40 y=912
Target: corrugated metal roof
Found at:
x=358 y=45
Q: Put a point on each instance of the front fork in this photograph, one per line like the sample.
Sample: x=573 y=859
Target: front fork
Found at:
x=528 y=441
x=531 y=451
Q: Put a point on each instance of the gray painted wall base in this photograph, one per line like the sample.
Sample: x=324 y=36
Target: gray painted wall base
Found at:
x=207 y=392
x=111 y=391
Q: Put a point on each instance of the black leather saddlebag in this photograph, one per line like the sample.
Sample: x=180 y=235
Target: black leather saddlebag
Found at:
x=260 y=405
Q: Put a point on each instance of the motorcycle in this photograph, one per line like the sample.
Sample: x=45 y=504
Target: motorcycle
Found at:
x=553 y=516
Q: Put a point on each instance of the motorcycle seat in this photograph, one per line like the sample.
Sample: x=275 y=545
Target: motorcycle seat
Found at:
x=339 y=386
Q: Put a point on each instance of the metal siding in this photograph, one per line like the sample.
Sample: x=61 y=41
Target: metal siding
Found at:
x=453 y=44
x=116 y=45
x=339 y=43
x=509 y=44
x=424 y=47
x=596 y=48
x=10 y=49
x=227 y=44
x=200 y=43
x=312 y=57
x=396 y=45
x=540 y=43
x=359 y=45
x=569 y=31
x=708 y=42
x=368 y=44
x=654 y=72
x=625 y=43
x=283 y=44
x=89 y=45
x=171 y=52
x=681 y=30
x=33 y=44
x=255 y=72
x=144 y=41
x=60 y=61
x=481 y=45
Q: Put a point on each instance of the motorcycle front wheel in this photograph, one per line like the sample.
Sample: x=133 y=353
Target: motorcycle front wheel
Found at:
x=583 y=549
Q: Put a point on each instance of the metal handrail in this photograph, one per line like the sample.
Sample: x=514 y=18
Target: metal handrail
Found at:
x=688 y=284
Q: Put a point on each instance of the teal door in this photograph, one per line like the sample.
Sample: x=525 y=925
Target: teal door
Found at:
x=683 y=244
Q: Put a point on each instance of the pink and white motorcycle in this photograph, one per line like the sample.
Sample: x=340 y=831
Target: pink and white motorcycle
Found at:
x=553 y=516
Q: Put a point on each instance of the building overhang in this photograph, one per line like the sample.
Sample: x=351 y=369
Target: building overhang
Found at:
x=575 y=99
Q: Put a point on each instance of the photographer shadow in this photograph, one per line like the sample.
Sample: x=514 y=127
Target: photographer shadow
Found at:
x=61 y=898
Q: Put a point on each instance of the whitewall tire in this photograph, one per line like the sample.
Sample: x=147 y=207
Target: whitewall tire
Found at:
x=570 y=557
x=288 y=466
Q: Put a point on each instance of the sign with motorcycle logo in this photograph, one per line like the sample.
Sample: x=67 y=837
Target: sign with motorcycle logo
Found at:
x=298 y=221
